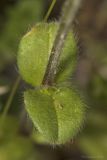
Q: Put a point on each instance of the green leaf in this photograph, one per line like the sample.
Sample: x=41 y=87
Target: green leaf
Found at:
x=34 y=52
x=40 y=107
x=57 y=113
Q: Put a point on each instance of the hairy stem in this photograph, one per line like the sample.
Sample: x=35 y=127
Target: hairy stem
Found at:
x=69 y=12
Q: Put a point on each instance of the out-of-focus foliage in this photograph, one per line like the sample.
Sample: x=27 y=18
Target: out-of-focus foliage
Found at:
x=12 y=145
x=16 y=149
x=8 y=129
x=20 y=18
x=92 y=77
x=93 y=140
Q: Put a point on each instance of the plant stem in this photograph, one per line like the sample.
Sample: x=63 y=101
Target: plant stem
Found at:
x=9 y=101
x=69 y=12
x=50 y=10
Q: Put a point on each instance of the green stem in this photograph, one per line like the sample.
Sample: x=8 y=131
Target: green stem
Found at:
x=9 y=101
x=50 y=10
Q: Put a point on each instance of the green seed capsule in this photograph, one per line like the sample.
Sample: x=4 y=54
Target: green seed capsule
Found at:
x=57 y=113
x=34 y=53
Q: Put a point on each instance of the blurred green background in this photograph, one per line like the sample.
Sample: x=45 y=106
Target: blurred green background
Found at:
x=18 y=140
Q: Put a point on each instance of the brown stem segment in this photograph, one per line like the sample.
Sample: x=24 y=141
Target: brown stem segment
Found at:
x=69 y=12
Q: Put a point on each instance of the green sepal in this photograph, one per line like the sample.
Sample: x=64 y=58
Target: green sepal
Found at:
x=57 y=113
x=34 y=52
